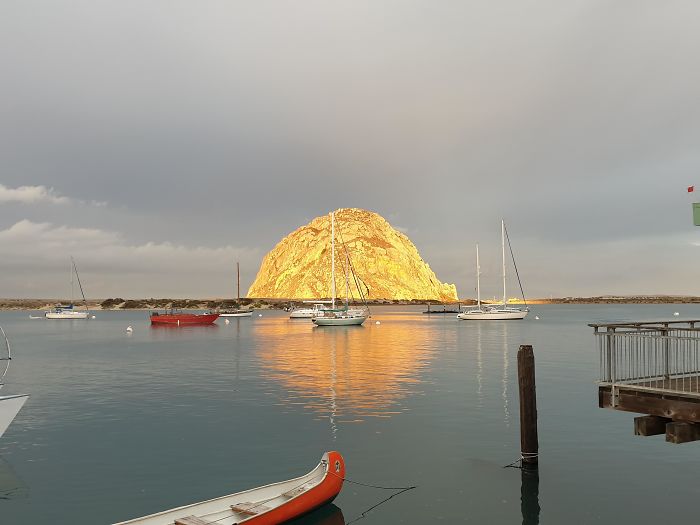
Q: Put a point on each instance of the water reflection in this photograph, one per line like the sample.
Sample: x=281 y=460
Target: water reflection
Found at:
x=345 y=373
x=326 y=515
x=11 y=486
x=530 y=496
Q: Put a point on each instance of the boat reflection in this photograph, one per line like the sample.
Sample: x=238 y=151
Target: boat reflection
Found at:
x=11 y=486
x=326 y=515
x=348 y=373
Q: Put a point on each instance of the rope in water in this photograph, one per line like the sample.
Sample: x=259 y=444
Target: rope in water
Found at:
x=363 y=514
x=518 y=463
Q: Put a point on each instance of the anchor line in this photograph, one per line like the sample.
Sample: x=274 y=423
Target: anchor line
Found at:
x=363 y=514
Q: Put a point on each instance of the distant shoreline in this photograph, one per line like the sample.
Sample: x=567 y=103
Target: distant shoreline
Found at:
x=266 y=304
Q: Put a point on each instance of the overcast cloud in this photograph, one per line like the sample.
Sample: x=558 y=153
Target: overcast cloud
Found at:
x=158 y=142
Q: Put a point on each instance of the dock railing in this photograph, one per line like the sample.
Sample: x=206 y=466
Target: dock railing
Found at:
x=662 y=357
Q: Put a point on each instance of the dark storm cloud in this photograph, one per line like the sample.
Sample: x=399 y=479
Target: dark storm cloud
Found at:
x=229 y=124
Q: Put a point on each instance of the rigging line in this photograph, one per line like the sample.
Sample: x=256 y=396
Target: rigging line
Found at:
x=79 y=284
x=515 y=265
x=354 y=274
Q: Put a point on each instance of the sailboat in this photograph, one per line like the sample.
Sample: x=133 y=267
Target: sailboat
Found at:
x=9 y=405
x=237 y=312
x=497 y=312
x=61 y=311
x=344 y=316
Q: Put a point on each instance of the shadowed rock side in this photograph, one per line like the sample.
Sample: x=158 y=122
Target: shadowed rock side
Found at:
x=299 y=267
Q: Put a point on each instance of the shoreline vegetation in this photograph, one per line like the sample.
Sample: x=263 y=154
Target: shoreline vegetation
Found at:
x=278 y=304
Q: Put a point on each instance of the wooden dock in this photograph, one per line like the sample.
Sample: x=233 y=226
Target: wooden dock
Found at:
x=652 y=368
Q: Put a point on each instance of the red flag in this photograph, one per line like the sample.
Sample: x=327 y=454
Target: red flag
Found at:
x=691 y=189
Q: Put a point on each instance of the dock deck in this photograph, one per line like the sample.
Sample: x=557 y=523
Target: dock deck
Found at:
x=652 y=368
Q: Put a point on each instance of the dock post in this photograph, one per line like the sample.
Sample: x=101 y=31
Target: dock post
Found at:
x=528 y=407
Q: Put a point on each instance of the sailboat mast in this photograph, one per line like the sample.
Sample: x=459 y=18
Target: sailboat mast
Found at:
x=478 y=273
x=333 y=260
x=503 y=257
x=71 y=280
x=238 y=279
x=347 y=278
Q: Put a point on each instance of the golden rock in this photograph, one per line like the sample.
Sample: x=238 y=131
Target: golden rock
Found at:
x=386 y=262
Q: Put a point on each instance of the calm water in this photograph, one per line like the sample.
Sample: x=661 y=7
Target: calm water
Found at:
x=120 y=425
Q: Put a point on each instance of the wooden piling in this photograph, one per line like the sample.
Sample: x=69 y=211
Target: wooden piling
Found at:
x=529 y=447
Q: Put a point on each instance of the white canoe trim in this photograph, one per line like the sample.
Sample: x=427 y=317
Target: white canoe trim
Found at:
x=219 y=511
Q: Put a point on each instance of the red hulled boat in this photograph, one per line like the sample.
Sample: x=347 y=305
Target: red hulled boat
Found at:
x=269 y=505
x=172 y=318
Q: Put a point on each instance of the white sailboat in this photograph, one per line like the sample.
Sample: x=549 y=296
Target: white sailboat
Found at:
x=497 y=312
x=238 y=312
x=61 y=311
x=9 y=405
x=344 y=316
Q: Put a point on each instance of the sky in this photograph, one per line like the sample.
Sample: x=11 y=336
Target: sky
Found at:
x=159 y=142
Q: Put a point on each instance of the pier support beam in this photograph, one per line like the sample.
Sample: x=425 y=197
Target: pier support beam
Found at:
x=680 y=432
x=529 y=446
x=650 y=425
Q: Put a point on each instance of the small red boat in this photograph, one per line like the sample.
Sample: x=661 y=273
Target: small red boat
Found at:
x=269 y=505
x=172 y=318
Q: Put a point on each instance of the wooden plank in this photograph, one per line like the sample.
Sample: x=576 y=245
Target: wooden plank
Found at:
x=650 y=425
x=671 y=407
x=681 y=432
x=249 y=508
x=192 y=520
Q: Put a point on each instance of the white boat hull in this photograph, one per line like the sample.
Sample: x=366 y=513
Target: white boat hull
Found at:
x=9 y=408
x=339 y=321
x=495 y=315
x=302 y=314
x=67 y=315
x=238 y=314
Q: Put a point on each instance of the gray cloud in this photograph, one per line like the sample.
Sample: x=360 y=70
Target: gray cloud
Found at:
x=230 y=123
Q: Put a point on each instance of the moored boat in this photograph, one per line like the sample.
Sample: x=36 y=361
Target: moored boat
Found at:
x=9 y=405
x=268 y=505
x=345 y=316
x=497 y=312
x=306 y=312
x=67 y=311
x=172 y=318
x=238 y=312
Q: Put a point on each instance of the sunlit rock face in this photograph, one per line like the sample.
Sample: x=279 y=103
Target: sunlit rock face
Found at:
x=388 y=263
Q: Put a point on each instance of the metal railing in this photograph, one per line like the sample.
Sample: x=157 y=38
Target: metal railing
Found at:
x=650 y=356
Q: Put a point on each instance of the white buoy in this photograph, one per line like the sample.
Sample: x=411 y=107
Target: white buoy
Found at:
x=129 y=329
x=377 y=322
x=93 y=317
x=537 y=317
x=259 y=315
x=676 y=313
x=226 y=321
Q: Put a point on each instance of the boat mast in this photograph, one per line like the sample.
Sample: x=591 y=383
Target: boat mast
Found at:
x=71 y=281
x=333 y=260
x=503 y=258
x=347 y=278
x=238 y=279
x=478 y=273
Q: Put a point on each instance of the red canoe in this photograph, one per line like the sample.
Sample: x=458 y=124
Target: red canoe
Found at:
x=269 y=505
x=180 y=319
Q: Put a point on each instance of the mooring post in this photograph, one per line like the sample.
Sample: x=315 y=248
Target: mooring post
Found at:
x=528 y=407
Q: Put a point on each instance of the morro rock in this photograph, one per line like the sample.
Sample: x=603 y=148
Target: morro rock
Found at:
x=386 y=262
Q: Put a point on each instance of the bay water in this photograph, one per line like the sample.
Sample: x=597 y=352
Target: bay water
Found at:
x=121 y=425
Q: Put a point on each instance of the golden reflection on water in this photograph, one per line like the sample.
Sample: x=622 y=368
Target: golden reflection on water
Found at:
x=349 y=373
